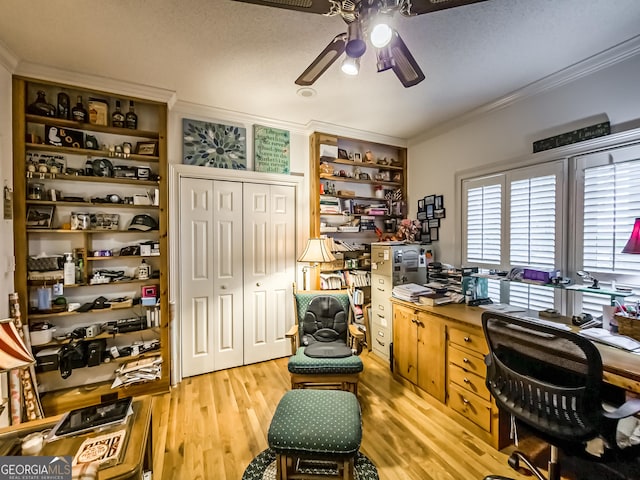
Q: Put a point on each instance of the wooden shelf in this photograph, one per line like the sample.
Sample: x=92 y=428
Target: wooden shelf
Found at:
x=60 y=122
x=37 y=283
x=89 y=152
x=44 y=316
x=90 y=204
x=354 y=180
x=92 y=179
x=64 y=231
x=355 y=197
x=116 y=257
x=343 y=161
x=104 y=335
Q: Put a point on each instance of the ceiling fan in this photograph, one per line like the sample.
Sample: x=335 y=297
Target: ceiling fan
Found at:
x=365 y=17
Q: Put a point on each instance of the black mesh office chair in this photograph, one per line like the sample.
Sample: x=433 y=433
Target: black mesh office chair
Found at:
x=551 y=380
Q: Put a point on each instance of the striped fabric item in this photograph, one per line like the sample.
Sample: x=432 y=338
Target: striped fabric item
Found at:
x=13 y=351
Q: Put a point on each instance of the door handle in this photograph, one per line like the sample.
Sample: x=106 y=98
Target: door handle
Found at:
x=223 y=287
x=258 y=284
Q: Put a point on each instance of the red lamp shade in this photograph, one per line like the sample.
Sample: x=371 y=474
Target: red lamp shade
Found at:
x=633 y=245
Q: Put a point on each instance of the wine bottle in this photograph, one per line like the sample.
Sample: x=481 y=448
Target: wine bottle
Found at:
x=64 y=106
x=117 y=117
x=131 y=119
x=41 y=107
x=78 y=112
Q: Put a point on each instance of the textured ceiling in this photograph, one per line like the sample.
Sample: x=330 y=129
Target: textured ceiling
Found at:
x=245 y=57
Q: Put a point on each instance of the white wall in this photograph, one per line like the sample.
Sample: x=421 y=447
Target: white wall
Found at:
x=6 y=179
x=507 y=135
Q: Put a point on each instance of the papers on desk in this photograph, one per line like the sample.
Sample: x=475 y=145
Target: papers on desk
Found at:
x=410 y=292
x=605 y=336
x=502 y=308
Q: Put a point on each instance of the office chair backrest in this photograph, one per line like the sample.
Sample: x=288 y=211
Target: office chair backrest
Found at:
x=546 y=377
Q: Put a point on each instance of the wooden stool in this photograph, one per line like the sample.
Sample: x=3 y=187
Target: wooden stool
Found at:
x=322 y=428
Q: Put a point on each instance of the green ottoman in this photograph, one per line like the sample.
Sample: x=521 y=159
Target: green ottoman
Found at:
x=322 y=425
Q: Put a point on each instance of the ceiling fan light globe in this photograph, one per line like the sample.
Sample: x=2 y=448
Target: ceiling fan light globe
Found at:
x=381 y=35
x=355 y=48
x=350 y=66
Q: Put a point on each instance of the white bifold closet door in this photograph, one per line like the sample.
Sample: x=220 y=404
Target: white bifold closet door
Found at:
x=237 y=265
x=269 y=269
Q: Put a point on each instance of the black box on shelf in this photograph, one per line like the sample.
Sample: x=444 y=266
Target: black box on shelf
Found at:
x=63 y=137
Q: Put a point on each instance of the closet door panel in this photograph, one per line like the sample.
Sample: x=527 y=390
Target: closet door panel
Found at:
x=196 y=276
x=227 y=285
x=268 y=220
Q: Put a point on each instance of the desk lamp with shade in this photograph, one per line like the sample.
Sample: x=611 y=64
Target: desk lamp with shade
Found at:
x=13 y=352
x=316 y=252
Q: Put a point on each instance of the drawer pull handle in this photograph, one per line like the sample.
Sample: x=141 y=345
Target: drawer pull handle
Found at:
x=465 y=380
x=465 y=360
x=380 y=289
x=465 y=401
x=467 y=339
x=379 y=315
x=381 y=343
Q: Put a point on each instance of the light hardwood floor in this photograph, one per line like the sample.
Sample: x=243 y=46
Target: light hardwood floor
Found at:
x=210 y=427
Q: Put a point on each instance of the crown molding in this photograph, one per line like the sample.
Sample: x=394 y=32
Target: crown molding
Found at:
x=190 y=109
x=7 y=58
x=600 y=61
x=95 y=82
x=316 y=126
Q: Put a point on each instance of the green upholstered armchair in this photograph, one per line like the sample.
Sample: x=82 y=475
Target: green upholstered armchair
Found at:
x=324 y=342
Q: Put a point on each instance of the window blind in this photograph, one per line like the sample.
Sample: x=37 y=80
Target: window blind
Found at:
x=484 y=220
x=611 y=204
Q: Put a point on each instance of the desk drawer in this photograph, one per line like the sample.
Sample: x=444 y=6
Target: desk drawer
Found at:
x=469 y=381
x=472 y=341
x=471 y=406
x=468 y=360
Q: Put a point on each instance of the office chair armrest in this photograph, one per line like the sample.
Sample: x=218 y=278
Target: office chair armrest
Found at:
x=628 y=408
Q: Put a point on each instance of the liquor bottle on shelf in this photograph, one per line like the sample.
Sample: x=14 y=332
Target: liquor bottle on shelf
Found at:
x=117 y=117
x=41 y=107
x=131 y=119
x=64 y=106
x=78 y=112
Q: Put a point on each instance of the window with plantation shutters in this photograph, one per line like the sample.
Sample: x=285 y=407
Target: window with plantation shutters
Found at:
x=523 y=233
x=611 y=205
x=484 y=222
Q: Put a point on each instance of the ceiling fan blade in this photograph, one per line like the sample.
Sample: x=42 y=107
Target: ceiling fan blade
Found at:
x=311 y=6
x=404 y=65
x=419 y=7
x=323 y=61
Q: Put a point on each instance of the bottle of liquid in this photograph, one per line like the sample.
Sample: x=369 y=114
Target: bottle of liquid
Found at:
x=64 y=106
x=144 y=270
x=79 y=113
x=41 y=107
x=80 y=270
x=69 y=274
x=117 y=117
x=131 y=119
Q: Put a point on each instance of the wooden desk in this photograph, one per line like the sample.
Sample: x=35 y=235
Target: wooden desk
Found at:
x=440 y=350
x=620 y=368
x=138 y=447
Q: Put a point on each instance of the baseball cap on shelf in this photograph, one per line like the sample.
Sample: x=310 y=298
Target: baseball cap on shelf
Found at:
x=143 y=222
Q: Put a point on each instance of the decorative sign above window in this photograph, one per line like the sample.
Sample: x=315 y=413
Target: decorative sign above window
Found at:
x=272 y=149
x=586 y=133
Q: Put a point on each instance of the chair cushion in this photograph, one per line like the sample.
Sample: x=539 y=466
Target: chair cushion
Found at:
x=304 y=299
x=337 y=349
x=302 y=364
x=317 y=424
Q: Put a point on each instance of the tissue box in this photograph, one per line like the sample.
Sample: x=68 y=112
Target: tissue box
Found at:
x=542 y=276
